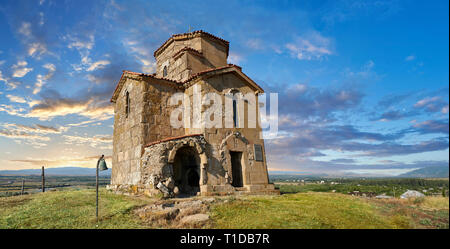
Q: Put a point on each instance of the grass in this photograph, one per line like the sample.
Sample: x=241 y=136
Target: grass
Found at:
x=68 y=209
x=302 y=210
x=76 y=209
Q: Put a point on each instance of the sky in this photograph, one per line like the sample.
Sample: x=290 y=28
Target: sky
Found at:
x=362 y=85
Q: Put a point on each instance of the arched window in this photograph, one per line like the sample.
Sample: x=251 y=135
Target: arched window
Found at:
x=127 y=104
x=165 y=71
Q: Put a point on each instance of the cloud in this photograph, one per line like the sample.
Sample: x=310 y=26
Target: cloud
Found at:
x=91 y=108
x=89 y=161
x=10 y=85
x=235 y=58
x=11 y=110
x=431 y=104
x=255 y=43
x=394 y=115
x=432 y=126
x=98 y=65
x=97 y=141
x=312 y=46
x=16 y=99
x=444 y=109
x=35 y=140
x=36 y=128
x=37 y=49
x=41 y=79
x=20 y=69
x=410 y=58
x=79 y=44
x=25 y=29
x=316 y=102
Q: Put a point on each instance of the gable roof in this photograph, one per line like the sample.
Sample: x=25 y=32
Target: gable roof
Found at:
x=190 y=35
x=230 y=68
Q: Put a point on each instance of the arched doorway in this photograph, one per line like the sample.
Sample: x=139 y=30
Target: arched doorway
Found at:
x=186 y=170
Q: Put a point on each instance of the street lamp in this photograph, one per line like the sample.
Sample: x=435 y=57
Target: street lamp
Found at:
x=101 y=165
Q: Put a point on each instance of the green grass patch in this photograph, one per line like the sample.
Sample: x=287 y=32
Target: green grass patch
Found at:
x=300 y=211
x=68 y=209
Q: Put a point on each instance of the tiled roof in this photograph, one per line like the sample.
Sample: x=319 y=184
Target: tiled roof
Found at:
x=187 y=35
x=181 y=83
x=171 y=138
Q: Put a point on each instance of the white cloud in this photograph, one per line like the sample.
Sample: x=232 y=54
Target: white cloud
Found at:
x=235 y=58
x=97 y=141
x=41 y=18
x=255 y=43
x=20 y=69
x=312 y=46
x=410 y=58
x=36 y=49
x=142 y=54
x=25 y=29
x=426 y=101
x=16 y=99
x=445 y=109
x=79 y=44
x=42 y=79
x=98 y=65
x=10 y=85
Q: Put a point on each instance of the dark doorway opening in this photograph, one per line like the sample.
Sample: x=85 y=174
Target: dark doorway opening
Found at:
x=186 y=170
x=236 y=168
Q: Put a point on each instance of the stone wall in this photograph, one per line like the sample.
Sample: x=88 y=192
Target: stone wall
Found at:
x=158 y=159
x=148 y=120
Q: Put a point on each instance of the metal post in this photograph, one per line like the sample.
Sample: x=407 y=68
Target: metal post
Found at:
x=43 y=179
x=23 y=185
x=96 y=187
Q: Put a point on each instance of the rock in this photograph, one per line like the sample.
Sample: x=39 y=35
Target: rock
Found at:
x=163 y=188
x=189 y=204
x=208 y=200
x=170 y=183
x=411 y=194
x=196 y=218
x=176 y=191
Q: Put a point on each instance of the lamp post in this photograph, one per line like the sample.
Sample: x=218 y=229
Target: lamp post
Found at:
x=102 y=164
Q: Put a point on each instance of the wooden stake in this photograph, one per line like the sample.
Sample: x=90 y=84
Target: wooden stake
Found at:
x=96 y=187
x=23 y=185
x=43 y=179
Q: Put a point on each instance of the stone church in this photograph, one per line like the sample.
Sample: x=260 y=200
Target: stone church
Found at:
x=152 y=157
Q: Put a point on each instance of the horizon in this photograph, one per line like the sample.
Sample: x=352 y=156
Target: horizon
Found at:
x=363 y=87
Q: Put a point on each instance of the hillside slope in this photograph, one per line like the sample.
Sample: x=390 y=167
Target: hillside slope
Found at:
x=428 y=172
x=76 y=209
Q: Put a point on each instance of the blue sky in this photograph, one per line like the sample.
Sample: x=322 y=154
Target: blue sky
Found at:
x=363 y=85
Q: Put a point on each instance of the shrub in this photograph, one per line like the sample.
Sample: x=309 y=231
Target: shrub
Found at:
x=419 y=200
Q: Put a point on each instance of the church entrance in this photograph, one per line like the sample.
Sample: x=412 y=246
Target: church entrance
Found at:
x=186 y=170
x=236 y=168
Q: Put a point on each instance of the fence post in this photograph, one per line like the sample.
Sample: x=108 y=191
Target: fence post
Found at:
x=96 y=191
x=43 y=179
x=23 y=185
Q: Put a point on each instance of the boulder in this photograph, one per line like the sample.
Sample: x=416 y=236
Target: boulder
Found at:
x=411 y=194
x=195 y=218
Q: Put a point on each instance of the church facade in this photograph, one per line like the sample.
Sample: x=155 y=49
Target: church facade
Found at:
x=153 y=156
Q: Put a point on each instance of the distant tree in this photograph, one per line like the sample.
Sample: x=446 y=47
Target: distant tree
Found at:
x=443 y=192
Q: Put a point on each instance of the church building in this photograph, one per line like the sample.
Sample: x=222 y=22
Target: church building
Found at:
x=152 y=156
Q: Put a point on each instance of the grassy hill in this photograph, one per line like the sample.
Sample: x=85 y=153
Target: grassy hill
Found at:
x=76 y=209
x=428 y=172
